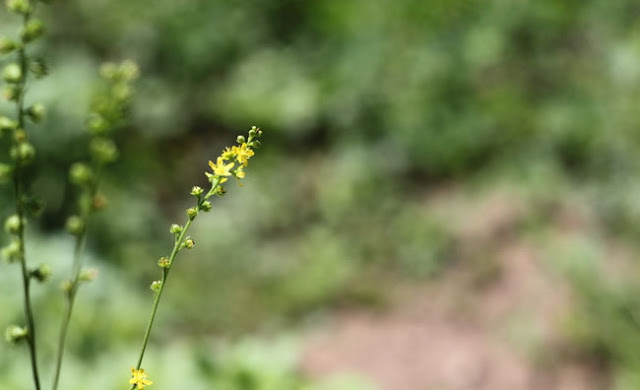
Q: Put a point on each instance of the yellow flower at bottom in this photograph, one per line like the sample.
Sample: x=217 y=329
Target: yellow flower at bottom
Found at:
x=139 y=378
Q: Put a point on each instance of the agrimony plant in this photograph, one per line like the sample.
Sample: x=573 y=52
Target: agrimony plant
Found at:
x=231 y=163
x=15 y=75
x=108 y=111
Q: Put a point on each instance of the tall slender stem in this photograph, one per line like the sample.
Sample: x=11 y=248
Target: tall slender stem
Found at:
x=165 y=274
x=19 y=195
x=75 y=280
x=71 y=294
x=26 y=284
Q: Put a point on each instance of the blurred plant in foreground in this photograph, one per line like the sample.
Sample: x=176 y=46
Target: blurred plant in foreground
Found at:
x=22 y=154
x=108 y=112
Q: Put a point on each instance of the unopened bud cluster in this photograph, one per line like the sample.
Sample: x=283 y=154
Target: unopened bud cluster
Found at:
x=14 y=73
x=13 y=225
x=108 y=108
x=109 y=104
x=17 y=60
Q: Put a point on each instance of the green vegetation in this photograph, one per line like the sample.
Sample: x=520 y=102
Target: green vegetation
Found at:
x=373 y=110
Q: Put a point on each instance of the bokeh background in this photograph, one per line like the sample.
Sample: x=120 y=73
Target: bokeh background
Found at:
x=447 y=196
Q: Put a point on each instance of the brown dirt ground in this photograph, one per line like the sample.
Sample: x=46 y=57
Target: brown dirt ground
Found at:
x=490 y=322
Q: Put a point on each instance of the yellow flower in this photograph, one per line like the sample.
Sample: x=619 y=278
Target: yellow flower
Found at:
x=243 y=153
x=139 y=378
x=228 y=153
x=239 y=174
x=220 y=168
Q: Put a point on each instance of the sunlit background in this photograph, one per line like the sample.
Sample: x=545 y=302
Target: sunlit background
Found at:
x=447 y=195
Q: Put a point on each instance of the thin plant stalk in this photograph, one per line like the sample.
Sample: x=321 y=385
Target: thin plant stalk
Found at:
x=18 y=185
x=74 y=284
x=77 y=260
x=165 y=274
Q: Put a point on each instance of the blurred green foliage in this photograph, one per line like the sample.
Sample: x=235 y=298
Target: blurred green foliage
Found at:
x=366 y=106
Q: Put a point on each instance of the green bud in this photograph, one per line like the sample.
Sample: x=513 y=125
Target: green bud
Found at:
x=39 y=68
x=108 y=70
x=36 y=112
x=192 y=212
x=121 y=91
x=42 y=273
x=15 y=334
x=23 y=152
x=66 y=286
x=255 y=144
x=33 y=204
x=104 y=150
x=189 y=243
x=7 y=45
x=129 y=70
x=98 y=202
x=12 y=225
x=97 y=124
x=11 y=92
x=163 y=262
x=175 y=229
x=75 y=225
x=7 y=124
x=5 y=173
x=20 y=135
x=196 y=191
x=206 y=206
x=11 y=252
x=18 y=6
x=220 y=191
x=241 y=139
x=80 y=174
x=88 y=275
x=156 y=285
x=33 y=30
x=12 y=73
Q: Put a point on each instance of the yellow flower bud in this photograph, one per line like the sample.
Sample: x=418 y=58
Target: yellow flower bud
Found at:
x=156 y=285
x=163 y=262
x=192 y=212
x=189 y=243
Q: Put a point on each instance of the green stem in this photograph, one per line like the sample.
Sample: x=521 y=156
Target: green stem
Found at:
x=19 y=194
x=165 y=274
x=156 y=301
x=77 y=266
x=75 y=281
x=26 y=284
